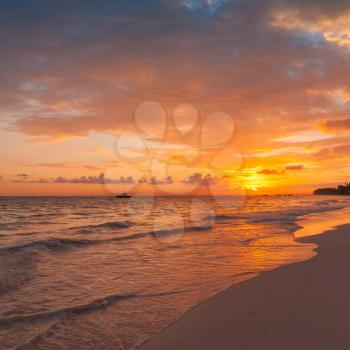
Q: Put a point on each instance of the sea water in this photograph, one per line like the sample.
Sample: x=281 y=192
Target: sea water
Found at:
x=108 y=273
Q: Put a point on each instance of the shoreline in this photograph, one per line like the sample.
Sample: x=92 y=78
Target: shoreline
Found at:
x=285 y=308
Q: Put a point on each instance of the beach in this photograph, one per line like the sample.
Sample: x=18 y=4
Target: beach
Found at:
x=301 y=306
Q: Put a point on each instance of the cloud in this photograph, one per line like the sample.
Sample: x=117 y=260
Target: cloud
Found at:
x=269 y=172
x=167 y=181
x=58 y=128
x=101 y=179
x=339 y=151
x=293 y=167
x=96 y=149
x=23 y=175
x=337 y=125
x=76 y=77
x=303 y=137
x=334 y=29
x=200 y=179
x=66 y=74
x=92 y=167
x=67 y=165
x=64 y=165
x=155 y=181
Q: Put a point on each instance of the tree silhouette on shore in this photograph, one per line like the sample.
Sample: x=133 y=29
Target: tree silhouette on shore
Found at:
x=343 y=190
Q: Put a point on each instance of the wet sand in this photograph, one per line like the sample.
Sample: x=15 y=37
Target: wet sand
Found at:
x=302 y=306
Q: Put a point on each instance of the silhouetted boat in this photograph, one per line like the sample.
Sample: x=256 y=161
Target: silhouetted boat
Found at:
x=123 y=195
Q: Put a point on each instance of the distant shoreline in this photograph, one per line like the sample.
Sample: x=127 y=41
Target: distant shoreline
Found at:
x=341 y=190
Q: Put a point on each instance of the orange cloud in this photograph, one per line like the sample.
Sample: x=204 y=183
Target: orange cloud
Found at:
x=269 y=172
x=336 y=125
x=295 y=167
x=334 y=30
x=339 y=151
x=277 y=79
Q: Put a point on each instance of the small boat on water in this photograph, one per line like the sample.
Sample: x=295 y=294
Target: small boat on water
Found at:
x=123 y=195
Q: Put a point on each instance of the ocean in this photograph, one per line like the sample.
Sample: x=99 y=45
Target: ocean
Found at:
x=108 y=273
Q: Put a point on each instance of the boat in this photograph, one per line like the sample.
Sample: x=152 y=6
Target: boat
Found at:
x=123 y=195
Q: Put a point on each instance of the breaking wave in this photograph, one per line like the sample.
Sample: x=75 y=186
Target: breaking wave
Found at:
x=94 y=305
x=50 y=243
x=61 y=243
x=287 y=216
x=77 y=309
x=106 y=225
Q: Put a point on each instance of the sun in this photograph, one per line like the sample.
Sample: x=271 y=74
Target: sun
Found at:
x=253 y=182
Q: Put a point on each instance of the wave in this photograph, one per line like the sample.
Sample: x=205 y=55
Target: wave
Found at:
x=257 y=218
x=327 y=202
x=106 y=225
x=62 y=243
x=43 y=222
x=251 y=240
x=159 y=233
x=81 y=213
x=177 y=231
x=94 y=305
x=287 y=216
x=50 y=243
x=77 y=309
x=45 y=215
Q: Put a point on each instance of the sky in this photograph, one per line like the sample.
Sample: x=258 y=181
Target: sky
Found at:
x=173 y=97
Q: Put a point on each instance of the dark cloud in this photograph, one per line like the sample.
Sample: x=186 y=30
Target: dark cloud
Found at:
x=200 y=179
x=269 y=172
x=295 y=167
x=101 y=179
x=23 y=175
x=155 y=181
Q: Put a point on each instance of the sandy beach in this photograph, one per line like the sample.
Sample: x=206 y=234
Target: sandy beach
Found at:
x=299 y=306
